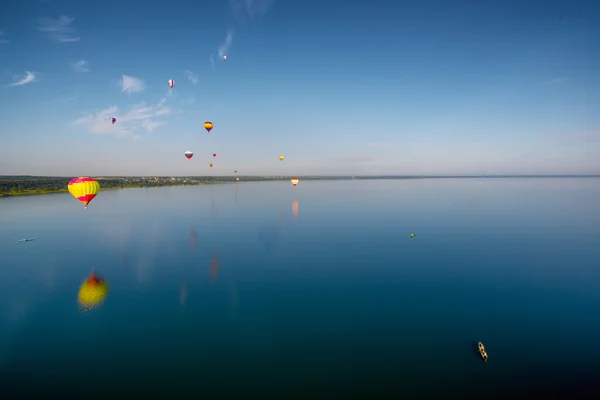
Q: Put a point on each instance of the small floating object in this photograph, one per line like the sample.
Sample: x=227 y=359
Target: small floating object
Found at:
x=482 y=351
x=25 y=240
x=412 y=235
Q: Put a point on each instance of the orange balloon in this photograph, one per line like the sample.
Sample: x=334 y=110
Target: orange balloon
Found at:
x=210 y=165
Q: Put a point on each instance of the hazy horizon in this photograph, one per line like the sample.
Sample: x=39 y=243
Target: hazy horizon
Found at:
x=394 y=88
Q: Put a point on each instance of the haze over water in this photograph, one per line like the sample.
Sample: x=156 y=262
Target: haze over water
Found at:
x=265 y=289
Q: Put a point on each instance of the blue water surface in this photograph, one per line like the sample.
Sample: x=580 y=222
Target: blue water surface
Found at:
x=269 y=290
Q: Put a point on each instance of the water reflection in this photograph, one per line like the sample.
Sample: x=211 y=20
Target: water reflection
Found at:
x=193 y=237
x=214 y=268
x=295 y=209
x=92 y=292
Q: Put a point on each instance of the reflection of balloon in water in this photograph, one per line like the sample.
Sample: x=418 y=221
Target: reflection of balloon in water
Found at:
x=171 y=83
x=214 y=268
x=189 y=155
x=210 y=165
x=281 y=158
x=193 y=237
x=294 y=181
x=113 y=120
x=84 y=189
x=295 y=209
x=92 y=292
x=208 y=126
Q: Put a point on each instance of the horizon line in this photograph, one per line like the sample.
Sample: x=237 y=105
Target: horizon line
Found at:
x=324 y=176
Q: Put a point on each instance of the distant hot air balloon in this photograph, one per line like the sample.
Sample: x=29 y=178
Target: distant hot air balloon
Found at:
x=208 y=126
x=281 y=157
x=214 y=154
x=171 y=83
x=84 y=189
x=113 y=120
x=92 y=292
x=294 y=181
x=237 y=179
x=235 y=171
x=224 y=58
x=210 y=165
x=189 y=154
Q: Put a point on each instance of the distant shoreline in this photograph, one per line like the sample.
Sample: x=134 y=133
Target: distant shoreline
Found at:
x=27 y=185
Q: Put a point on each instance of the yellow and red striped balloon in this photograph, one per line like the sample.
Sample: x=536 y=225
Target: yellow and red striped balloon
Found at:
x=84 y=189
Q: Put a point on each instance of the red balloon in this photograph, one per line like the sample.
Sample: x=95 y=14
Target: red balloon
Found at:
x=214 y=154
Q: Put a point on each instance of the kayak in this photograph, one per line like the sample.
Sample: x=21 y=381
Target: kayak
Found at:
x=482 y=351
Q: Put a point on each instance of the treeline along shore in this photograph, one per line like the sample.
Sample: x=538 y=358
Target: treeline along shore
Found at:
x=19 y=185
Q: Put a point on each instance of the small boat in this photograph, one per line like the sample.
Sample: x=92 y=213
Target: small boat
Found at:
x=482 y=351
x=25 y=240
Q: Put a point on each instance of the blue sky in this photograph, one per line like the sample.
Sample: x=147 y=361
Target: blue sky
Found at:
x=338 y=87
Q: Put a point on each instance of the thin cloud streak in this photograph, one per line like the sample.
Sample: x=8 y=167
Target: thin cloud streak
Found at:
x=211 y=59
x=138 y=117
x=59 y=29
x=131 y=84
x=224 y=47
x=81 y=66
x=556 y=80
x=192 y=77
x=2 y=39
x=249 y=9
x=29 y=78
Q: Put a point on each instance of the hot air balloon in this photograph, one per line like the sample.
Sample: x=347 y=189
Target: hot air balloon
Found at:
x=237 y=179
x=189 y=154
x=92 y=292
x=171 y=83
x=224 y=58
x=235 y=171
x=214 y=154
x=208 y=126
x=281 y=158
x=294 y=181
x=210 y=165
x=113 y=120
x=84 y=189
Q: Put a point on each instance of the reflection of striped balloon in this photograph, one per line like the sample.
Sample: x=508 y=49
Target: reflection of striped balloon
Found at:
x=188 y=154
x=84 y=189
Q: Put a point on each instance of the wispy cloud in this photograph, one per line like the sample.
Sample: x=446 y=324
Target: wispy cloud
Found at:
x=377 y=144
x=3 y=38
x=20 y=81
x=211 y=59
x=250 y=9
x=138 y=117
x=81 y=66
x=556 y=80
x=60 y=29
x=192 y=77
x=130 y=84
x=65 y=100
x=224 y=47
x=585 y=137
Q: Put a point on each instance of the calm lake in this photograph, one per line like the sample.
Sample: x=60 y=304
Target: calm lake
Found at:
x=269 y=291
